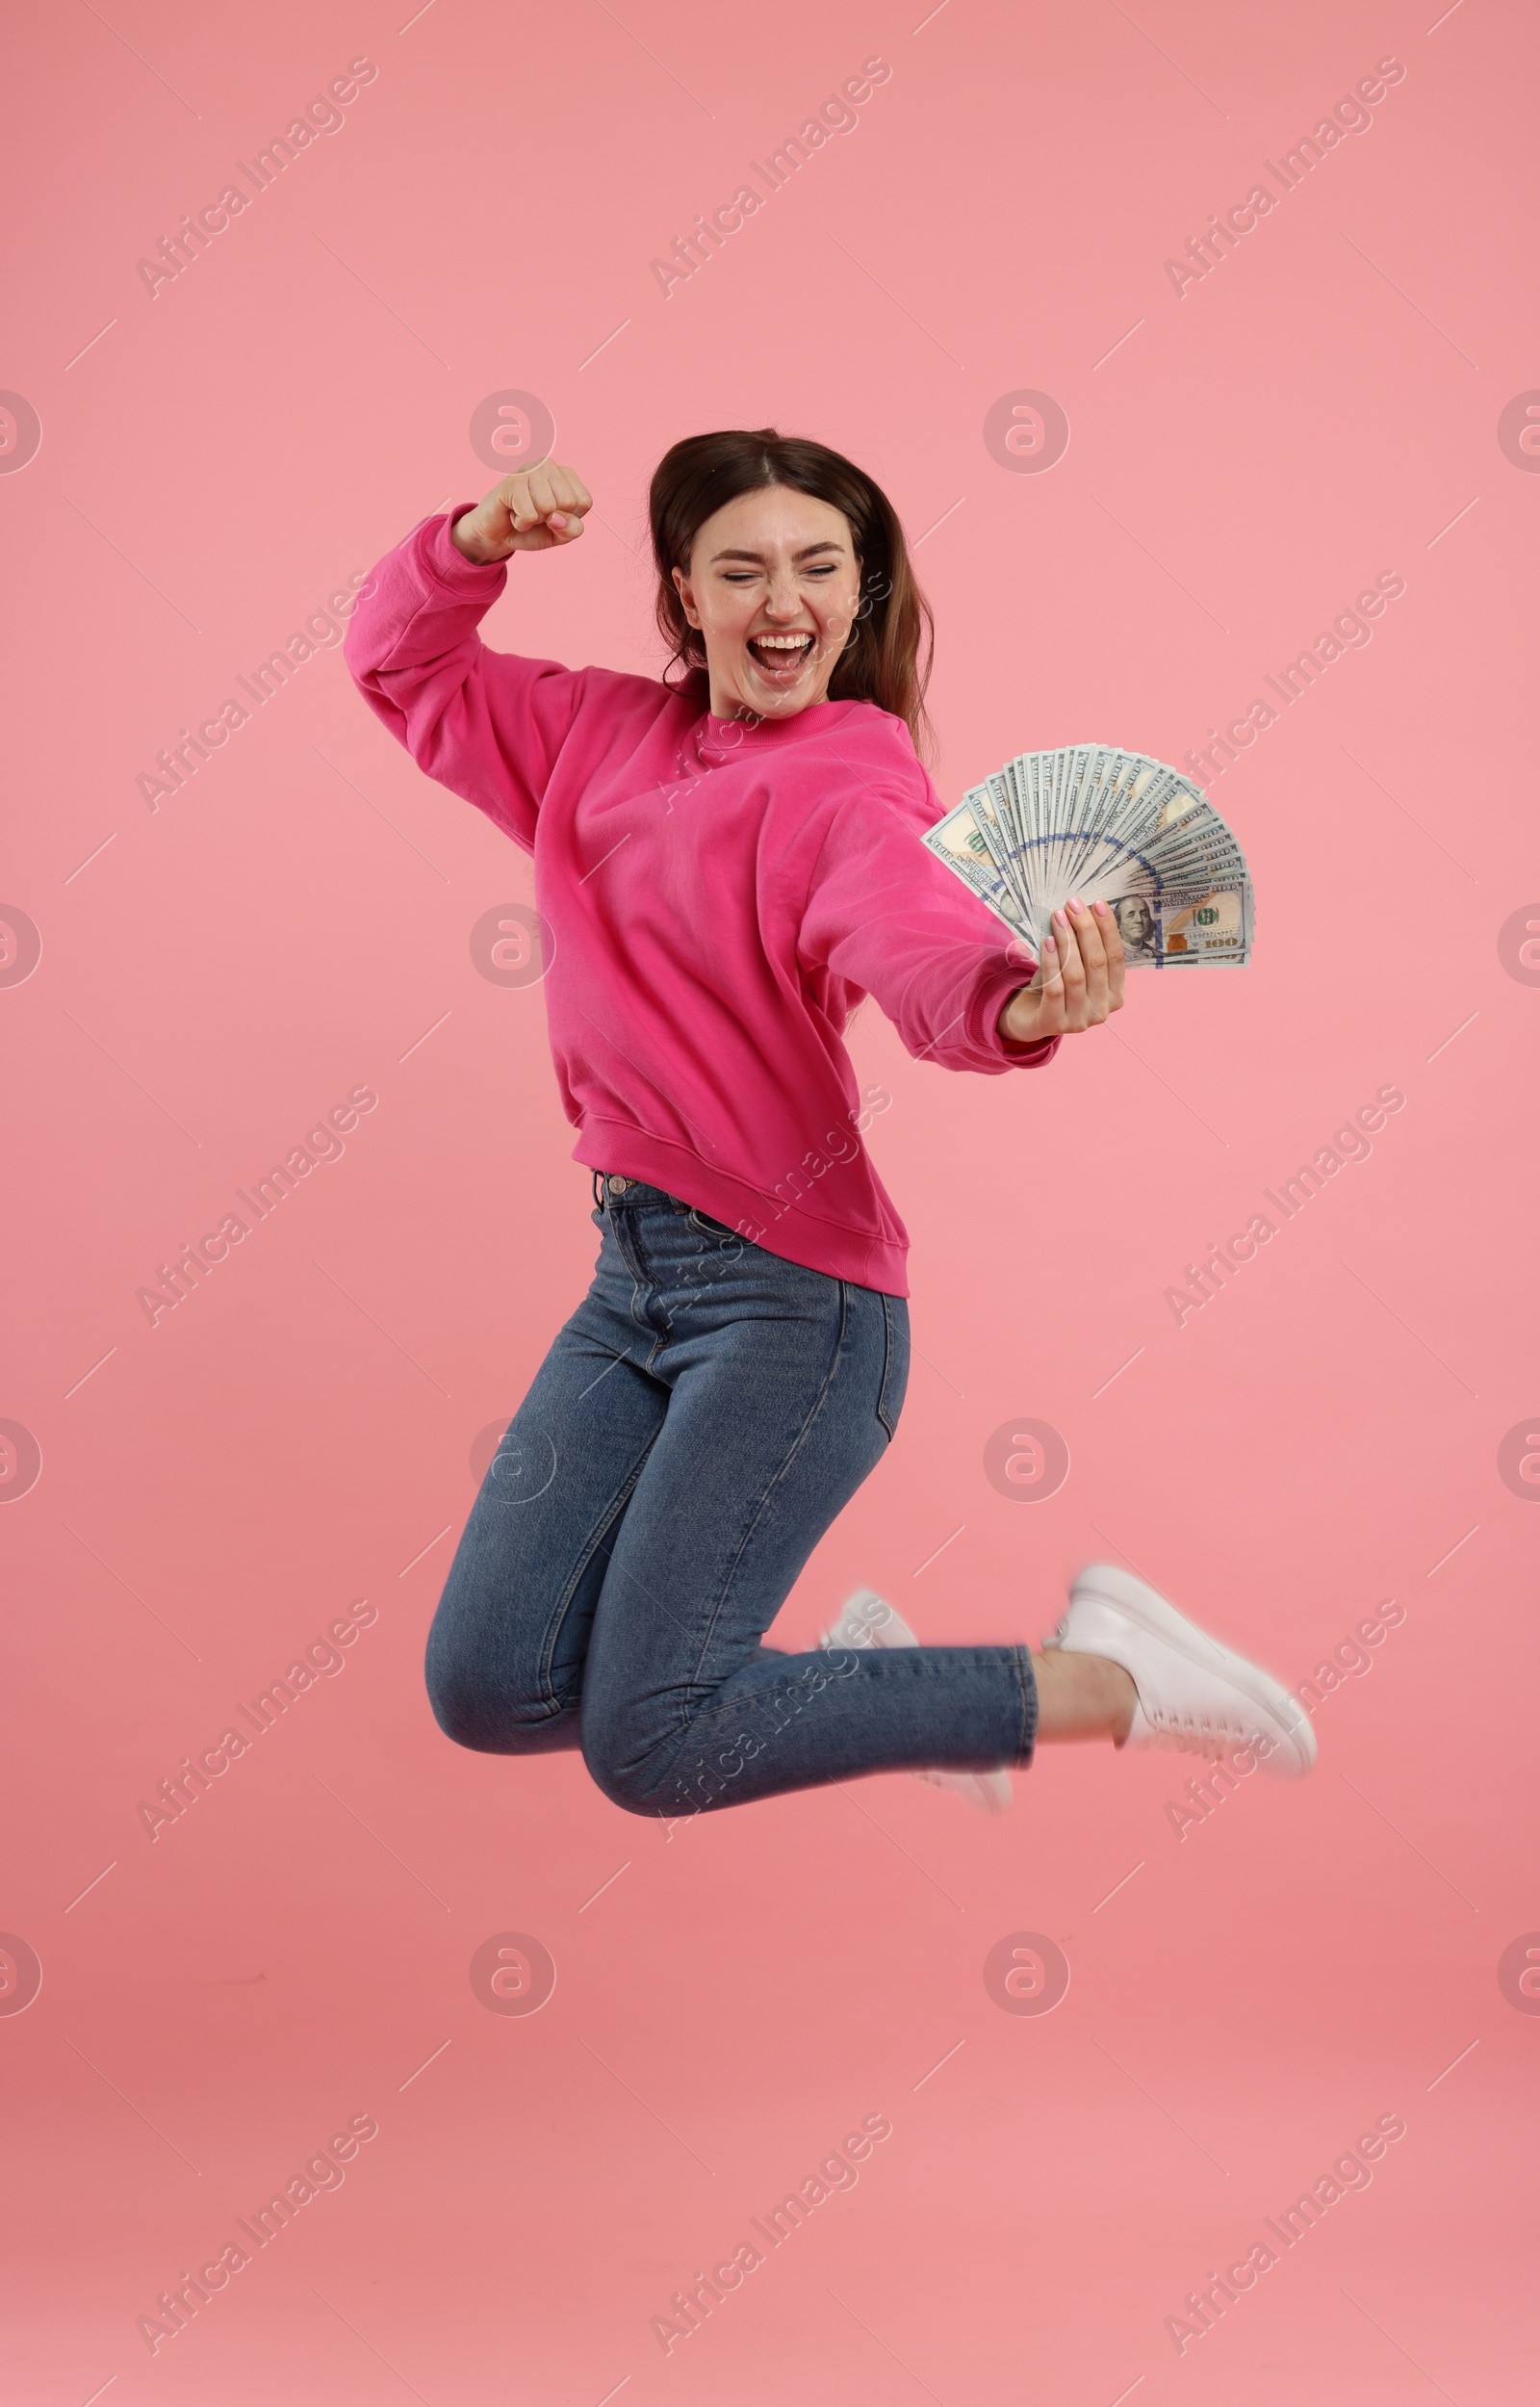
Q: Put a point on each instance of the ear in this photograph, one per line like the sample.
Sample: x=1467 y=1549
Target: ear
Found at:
x=681 y=586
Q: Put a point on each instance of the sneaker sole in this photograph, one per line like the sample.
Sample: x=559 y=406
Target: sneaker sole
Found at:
x=1103 y=1583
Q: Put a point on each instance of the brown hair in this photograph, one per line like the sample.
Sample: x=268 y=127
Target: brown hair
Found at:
x=881 y=661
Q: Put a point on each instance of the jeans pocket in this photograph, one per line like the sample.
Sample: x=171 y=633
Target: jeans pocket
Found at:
x=895 y=1361
x=706 y=1227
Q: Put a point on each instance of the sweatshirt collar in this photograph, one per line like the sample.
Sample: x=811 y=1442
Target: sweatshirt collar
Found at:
x=721 y=740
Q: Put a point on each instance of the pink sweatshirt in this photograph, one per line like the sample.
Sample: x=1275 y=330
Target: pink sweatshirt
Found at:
x=720 y=895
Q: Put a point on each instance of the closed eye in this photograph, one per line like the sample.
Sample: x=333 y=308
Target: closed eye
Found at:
x=746 y=576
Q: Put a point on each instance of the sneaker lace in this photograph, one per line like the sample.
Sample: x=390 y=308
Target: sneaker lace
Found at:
x=1198 y=1734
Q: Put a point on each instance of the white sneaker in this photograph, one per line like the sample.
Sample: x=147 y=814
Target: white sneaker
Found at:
x=1193 y=1692
x=870 y=1620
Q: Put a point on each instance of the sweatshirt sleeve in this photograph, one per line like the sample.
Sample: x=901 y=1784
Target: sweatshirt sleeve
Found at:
x=488 y=725
x=883 y=914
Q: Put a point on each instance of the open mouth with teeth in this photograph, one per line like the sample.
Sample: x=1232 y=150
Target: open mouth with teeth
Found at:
x=782 y=658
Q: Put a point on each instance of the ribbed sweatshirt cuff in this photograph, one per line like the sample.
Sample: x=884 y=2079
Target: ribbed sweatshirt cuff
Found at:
x=443 y=565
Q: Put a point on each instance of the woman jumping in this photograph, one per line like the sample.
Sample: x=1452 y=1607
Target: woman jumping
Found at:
x=724 y=867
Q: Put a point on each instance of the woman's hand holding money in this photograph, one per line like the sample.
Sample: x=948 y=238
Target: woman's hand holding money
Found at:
x=1079 y=980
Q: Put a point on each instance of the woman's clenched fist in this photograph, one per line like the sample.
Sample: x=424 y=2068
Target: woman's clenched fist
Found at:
x=532 y=510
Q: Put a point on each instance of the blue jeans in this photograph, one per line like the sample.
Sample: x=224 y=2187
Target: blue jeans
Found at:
x=697 y=1425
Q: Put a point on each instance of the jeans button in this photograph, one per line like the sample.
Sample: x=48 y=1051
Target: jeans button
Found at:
x=617 y=1186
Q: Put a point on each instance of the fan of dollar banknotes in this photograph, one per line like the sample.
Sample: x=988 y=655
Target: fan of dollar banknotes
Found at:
x=1110 y=827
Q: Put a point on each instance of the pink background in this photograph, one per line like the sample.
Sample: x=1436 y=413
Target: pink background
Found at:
x=216 y=974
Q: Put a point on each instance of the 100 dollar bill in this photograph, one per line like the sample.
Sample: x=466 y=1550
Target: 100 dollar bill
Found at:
x=1202 y=916
x=1190 y=926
